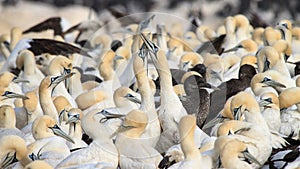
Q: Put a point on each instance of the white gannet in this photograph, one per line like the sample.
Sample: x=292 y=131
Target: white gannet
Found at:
x=244 y=104
x=75 y=130
x=61 y=65
x=45 y=91
x=134 y=152
x=11 y=147
x=101 y=150
x=171 y=109
x=50 y=144
x=192 y=155
x=153 y=129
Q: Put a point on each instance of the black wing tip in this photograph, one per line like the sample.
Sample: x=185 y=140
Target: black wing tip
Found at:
x=54 y=47
x=50 y=23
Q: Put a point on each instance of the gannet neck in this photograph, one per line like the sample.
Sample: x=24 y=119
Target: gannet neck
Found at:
x=46 y=102
x=187 y=127
x=15 y=36
x=26 y=59
x=164 y=74
x=134 y=133
x=147 y=98
x=75 y=86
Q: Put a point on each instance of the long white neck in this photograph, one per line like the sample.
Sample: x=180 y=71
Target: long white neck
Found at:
x=147 y=97
x=75 y=86
x=189 y=148
x=167 y=93
x=47 y=104
x=29 y=65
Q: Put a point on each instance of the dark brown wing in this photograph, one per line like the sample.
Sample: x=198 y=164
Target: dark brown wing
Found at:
x=213 y=47
x=51 y=23
x=40 y=46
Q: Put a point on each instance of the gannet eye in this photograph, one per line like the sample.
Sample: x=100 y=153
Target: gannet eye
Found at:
x=269 y=100
x=128 y=95
x=52 y=79
x=285 y=25
x=240 y=46
x=6 y=93
x=67 y=70
x=235 y=110
x=55 y=126
x=266 y=79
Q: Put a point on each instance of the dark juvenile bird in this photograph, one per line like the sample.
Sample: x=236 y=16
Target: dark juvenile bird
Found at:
x=230 y=88
x=201 y=69
x=197 y=99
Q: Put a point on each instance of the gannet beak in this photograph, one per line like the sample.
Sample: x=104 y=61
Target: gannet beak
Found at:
x=56 y=80
x=73 y=119
x=250 y=157
x=218 y=119
x=272 y=83
x=117 y=57
x=8 y=160
x=185 y=66
x=150 y=45
x=57 y=131
x=232 y=49
x=237 y=113
x=9 y=94
x=109 y=115
x=208 y=86
x=219 y=76
x=61 y=116
x=134 y=99
x=19 y=80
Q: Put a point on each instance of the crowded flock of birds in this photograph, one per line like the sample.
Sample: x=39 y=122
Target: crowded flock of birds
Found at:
x=156 y=97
